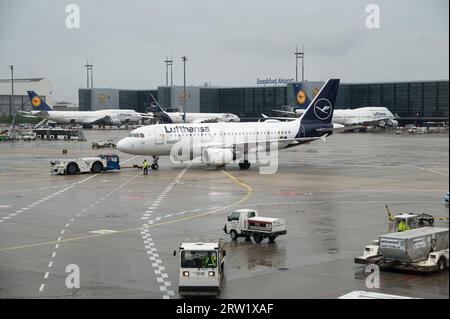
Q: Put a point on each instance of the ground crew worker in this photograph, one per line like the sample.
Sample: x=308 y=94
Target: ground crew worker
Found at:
x=401 y=225
x=210 y=260
x=145 y=166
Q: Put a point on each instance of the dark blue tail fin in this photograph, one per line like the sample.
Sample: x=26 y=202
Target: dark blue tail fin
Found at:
x=157 y=111
x=37 y=103
x=301 y=98
x=320 y=110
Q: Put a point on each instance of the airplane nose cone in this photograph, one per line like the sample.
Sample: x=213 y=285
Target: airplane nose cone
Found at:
x=124 y=146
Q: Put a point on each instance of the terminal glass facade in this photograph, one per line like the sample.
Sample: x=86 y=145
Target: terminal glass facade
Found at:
x=427 y=99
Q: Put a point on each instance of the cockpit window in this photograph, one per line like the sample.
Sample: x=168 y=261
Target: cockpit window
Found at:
x=138 y=135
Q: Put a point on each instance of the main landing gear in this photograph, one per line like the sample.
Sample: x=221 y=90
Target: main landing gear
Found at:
x=155 y=164
x=244 y=165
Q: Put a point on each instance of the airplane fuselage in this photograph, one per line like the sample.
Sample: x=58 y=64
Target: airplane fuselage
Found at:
x=177 y=117
x=159 y=139
x=362 y=115
x=88 y=117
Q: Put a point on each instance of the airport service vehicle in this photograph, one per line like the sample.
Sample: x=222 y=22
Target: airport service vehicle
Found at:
x=117 y=117
x=201 y=268
x=246 y=223
x=218 y=144
x=104 y=144
x=95 y=165
x=411 y=221
x=422 y=249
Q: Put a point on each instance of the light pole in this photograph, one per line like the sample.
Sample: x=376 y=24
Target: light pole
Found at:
x=12 y=90
x=184 y=58
x=89 y=67
x=169 y=64
x=171 y=71
x=166 y=61
x=299 y=55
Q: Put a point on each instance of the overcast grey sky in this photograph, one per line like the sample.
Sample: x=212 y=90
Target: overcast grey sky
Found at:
x=228 y=43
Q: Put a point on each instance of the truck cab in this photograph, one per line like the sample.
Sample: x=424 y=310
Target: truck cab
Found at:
x=201 y=268
x=238 y=219
x=404 y=222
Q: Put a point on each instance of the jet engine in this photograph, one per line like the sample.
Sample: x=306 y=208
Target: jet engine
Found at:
x=115 y=122
x=218 y=156
x=392 y=123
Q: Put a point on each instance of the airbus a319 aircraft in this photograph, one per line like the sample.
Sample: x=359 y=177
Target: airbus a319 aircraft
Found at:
x=219 y=144
x=40 y=109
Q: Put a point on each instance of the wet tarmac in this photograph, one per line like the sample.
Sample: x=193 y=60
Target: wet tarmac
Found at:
x=332 y=196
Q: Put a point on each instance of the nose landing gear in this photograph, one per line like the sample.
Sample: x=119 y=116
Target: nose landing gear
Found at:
x=244 y=165
x=155 y=164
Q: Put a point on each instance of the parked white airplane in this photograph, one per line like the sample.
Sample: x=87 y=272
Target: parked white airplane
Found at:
x=363 y=116
x=221 y=143
x=380 y=116
x=102 y=117
x=178 y=117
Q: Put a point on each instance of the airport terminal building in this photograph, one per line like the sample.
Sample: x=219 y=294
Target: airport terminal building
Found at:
x=409 y=100
x=19 y=101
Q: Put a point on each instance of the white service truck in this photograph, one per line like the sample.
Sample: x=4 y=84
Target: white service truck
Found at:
x=246 y=223
x=94 y=165
x=423 y=249
x=201 y=268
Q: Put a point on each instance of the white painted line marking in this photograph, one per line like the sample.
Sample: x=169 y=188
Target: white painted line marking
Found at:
x=46 y=275
x=41 y=288
x=103 y=231
x=54 y=254
x=50 y=264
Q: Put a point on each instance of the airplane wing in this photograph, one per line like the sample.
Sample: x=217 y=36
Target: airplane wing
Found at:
x=99 y=120
x=285 y=112
x=36 y=114
x=278 y=118
x=147 y=115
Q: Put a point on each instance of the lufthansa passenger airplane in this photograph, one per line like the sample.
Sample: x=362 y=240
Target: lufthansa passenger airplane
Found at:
x=221 y=143
x=101 y=117
x=178 y=117
x=363 y=116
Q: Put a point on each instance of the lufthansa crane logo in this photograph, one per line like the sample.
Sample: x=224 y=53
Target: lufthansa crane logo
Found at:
x=153 y=107
x=103 y=98
x=301 y=97
x=323 y=109
x=36 y=101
